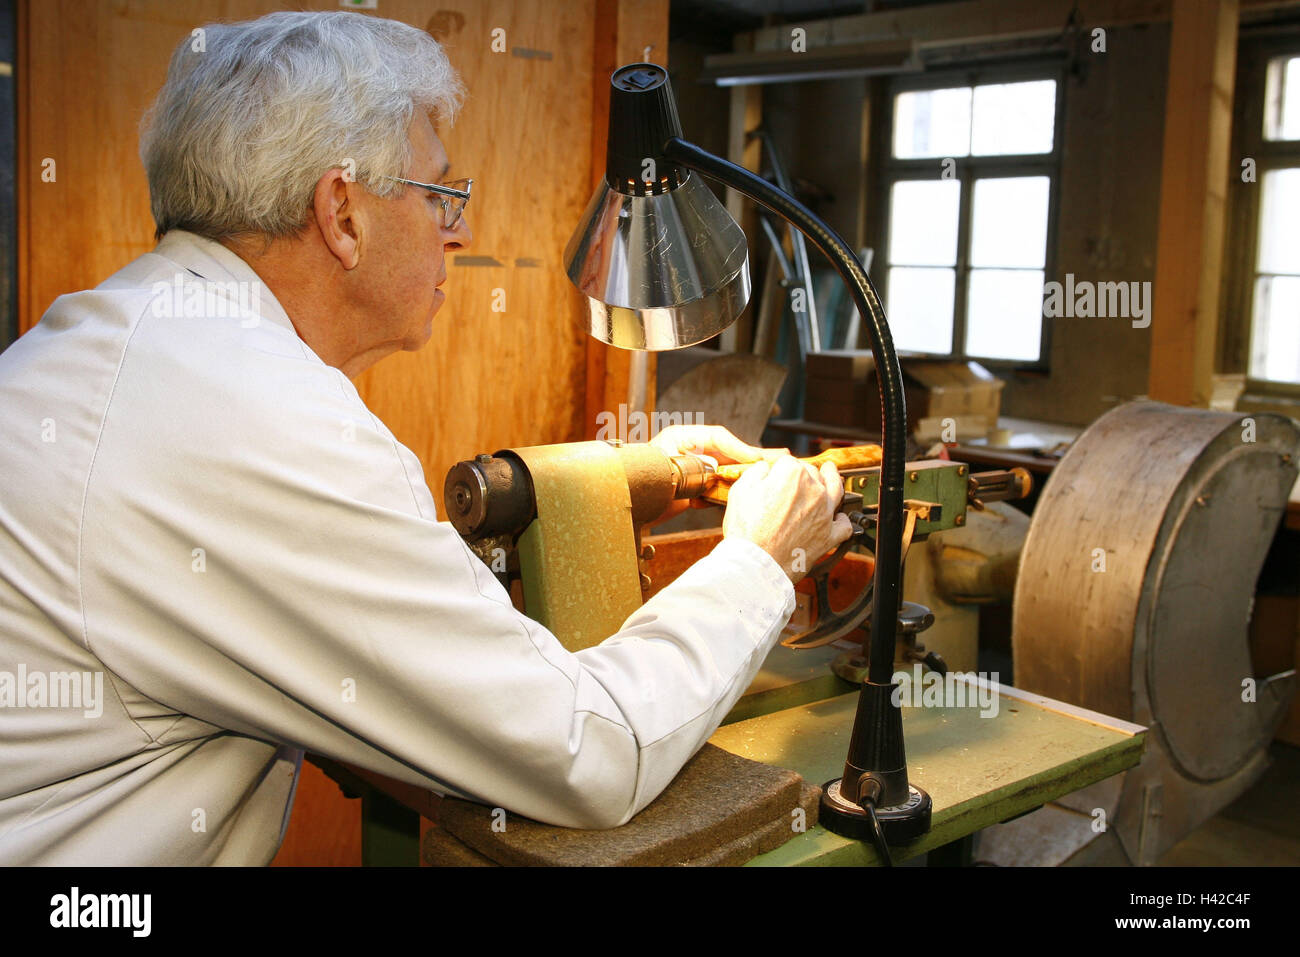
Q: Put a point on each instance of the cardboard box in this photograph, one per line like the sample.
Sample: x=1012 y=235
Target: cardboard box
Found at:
x=840 y=364
x=842 y=390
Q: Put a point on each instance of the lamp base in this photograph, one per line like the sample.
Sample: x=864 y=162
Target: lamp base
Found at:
x=901 y=823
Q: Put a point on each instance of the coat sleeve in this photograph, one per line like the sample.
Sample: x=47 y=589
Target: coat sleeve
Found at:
x=267 y=560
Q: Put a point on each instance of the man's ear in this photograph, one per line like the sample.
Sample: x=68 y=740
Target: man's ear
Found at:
x=338 y=216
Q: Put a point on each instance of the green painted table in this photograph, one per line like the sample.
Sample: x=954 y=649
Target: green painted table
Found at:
x=979 y=770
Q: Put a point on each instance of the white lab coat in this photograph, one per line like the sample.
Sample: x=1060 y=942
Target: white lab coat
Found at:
x=202 y=513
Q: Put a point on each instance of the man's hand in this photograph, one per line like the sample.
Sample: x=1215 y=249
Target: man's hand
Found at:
x=714 y=441
x=787 y=508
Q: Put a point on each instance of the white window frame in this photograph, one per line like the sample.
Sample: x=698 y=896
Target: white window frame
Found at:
x=967 y=170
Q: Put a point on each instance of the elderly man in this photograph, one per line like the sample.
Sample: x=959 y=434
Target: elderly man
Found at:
x=215 y=557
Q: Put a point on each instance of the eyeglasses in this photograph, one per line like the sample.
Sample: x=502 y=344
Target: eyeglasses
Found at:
x=455 y=195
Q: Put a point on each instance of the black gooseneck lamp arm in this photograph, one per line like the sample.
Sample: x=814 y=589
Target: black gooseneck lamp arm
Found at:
x=875 y=773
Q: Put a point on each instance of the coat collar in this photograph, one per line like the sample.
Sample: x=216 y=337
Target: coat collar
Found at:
x=214 y=262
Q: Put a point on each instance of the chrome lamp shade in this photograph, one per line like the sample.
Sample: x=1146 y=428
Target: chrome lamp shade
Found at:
x=661 y=262
x=660 y=271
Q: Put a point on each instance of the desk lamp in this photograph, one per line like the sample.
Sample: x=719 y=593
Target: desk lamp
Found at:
x=664 y=266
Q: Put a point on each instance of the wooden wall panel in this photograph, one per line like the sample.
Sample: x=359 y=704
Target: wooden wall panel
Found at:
x=86 y=73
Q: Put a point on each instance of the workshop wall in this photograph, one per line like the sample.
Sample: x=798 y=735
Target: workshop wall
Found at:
x=1109 y=211
x=1109 y=206
x=703 y=108
x=818 y=125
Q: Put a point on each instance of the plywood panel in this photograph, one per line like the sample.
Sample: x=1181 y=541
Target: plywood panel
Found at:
x=86 y=73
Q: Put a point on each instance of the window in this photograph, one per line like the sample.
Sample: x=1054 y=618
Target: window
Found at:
x=970 y=189
x=1274 y=353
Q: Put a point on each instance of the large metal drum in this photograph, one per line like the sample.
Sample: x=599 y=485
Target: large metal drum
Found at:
x=1133 y=599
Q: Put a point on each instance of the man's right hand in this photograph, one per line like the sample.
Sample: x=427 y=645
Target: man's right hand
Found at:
x=787 y=508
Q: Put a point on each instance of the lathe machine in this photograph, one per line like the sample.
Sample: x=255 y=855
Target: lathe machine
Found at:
x=567 y=522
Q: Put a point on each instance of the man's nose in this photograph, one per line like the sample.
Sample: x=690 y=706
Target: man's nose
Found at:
x=461 y=236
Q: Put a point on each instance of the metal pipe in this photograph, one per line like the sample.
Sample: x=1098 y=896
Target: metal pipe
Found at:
x=802 y=272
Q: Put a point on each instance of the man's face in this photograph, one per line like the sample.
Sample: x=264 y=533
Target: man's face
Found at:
x=407 y=251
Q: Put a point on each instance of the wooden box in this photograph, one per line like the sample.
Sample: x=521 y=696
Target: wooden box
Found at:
x=842 y=390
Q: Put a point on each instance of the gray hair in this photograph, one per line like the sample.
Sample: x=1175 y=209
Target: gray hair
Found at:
x=253 y=114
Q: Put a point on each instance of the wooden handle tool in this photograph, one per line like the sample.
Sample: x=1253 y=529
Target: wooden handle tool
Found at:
x=853 y=457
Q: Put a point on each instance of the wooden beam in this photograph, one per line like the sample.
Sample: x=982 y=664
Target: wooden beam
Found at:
x=865 y=179
x=985 y=21
x=1193 y=195
x=745 y=116
x=27 y=315
x=624 y=31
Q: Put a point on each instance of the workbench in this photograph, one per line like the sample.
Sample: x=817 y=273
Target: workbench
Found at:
x=978 y=770
x=798 y=715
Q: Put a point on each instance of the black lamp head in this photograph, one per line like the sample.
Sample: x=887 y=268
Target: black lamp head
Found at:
x=661 y=262
x=642 y=118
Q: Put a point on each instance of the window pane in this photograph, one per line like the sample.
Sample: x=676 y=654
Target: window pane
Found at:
x=1004 y=313
x=1282 y=100
x=932 y=123
x=1279 y=226
x=923 y=222
x=1013 y=118
x=1275 y=336
x=919 y=309
x=1010 y=221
